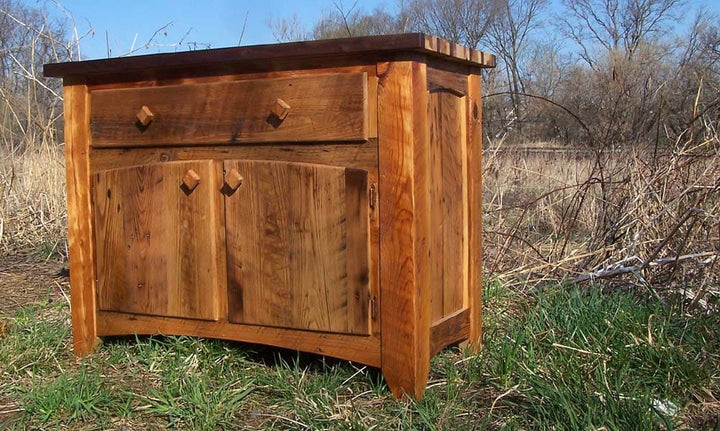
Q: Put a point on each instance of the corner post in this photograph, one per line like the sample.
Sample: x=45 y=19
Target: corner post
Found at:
x=474 y=180
x=404 y=220
x=80 y=228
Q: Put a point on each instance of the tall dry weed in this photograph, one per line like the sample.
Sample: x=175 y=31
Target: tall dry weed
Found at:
x=643 y=216
x=33 y=216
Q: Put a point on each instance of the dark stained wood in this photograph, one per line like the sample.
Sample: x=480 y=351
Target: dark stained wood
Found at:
x=157 y=241
x=449 y=330
x=325 y=108
x=210 y=59
x=357 y=348
x=442 y=80
x=297 y=237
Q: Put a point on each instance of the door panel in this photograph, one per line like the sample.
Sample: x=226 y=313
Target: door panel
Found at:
x=157 y=240
x=297 y=246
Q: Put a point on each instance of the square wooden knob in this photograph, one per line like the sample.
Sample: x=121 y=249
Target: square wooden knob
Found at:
x=191 y=180
x=145 y=115
x=280 y=109
x=233 y=179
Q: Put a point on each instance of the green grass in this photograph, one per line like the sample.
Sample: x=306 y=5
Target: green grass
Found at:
x=560 y=358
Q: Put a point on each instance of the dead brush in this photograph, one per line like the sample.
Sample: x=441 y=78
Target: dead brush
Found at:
x=639 y=216
x=33 y=215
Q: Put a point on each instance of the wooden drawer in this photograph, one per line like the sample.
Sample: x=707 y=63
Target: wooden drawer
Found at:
x=324 y=108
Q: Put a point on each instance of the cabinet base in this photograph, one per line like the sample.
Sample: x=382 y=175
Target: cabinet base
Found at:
x=356 y=348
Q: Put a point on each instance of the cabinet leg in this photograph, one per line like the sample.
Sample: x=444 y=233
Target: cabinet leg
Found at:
x=405 y=375
x=80 y=235
x=404 y=217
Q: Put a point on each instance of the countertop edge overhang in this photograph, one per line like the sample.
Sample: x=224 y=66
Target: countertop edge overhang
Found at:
x=222 y=58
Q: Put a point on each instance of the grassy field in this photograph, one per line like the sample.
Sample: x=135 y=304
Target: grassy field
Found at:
x=557 y=358
x=637 y=352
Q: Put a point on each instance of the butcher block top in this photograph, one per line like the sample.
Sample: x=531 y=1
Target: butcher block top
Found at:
x=274 y=56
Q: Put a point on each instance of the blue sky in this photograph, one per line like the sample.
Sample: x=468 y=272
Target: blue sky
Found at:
x=218 y=23
x=215 y=22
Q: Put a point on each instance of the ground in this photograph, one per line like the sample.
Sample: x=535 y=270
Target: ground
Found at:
x=27 y=280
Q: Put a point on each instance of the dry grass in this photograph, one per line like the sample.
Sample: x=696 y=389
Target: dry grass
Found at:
x=559 y=215
x=33 y=215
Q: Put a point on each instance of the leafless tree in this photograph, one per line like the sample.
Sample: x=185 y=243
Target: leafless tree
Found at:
x=288 y=29
x=508 y=36
x=29 y=110
x=354 y=21
x=460 y=21
x=615 y=25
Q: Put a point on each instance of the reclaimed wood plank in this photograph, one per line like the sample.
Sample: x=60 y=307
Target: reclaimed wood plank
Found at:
x=158 y=241
x=80 y=229
x=405 y=304
x=474 y=299
x=292 y=230
x=354 y=155
x=357 y=243
x=322 y=50
x=448 y=194
x=357 y=348
x=449 y=330
x=443 y=80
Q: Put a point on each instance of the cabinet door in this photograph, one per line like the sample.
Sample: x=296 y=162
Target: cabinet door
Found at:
x=297 y=247
x=158 y=228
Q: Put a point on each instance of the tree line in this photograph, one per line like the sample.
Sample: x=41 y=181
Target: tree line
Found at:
x=597 y=73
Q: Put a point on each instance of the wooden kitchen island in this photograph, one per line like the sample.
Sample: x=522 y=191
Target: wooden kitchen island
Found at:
x=323 y=196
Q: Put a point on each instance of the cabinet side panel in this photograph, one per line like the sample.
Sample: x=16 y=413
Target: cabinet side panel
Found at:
x=448 y=190
x=80 y=229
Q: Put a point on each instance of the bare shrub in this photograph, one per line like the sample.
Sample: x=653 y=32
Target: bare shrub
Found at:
x=32 y=190
x=33 y=216
x=632 y=214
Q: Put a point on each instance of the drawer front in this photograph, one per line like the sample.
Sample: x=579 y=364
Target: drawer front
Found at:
x=322 y=108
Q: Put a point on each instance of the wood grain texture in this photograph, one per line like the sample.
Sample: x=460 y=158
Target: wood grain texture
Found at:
x=356 y=155
x=474 y=300
x=443 y=80
x=324 y=109
x=404 y=305
x=298 y=247
x=458 y=52
x=357 y=348
x=448 y=194
x=80 y=229
x=158 y=243
x=322 y=50
x=133 y=81
x=449 y=330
